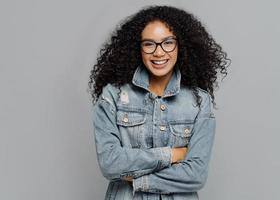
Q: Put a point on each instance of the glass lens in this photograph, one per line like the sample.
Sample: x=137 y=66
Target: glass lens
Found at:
x=148 y=46
x=169 y=45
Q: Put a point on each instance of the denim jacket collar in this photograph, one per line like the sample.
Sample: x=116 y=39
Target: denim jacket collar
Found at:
x=141 y=79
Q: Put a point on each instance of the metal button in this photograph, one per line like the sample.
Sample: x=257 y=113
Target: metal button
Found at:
x=125 y=118
x=162 y=128
x=187 y=131
x=162 y=107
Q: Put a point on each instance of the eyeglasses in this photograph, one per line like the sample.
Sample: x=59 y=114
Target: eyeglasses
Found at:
x=167 y=45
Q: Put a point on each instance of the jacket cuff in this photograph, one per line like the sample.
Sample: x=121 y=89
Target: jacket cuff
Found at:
x=140 y=184
x=164 y=156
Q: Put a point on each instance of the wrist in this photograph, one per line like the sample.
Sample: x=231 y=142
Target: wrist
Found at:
x=173 y=155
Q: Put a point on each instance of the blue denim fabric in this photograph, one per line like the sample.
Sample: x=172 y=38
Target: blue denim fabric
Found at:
x=134 y=132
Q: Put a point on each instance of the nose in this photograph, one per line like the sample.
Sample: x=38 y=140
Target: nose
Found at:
x=159 y=51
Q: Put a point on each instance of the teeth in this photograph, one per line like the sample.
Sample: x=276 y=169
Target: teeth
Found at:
x=159 y=62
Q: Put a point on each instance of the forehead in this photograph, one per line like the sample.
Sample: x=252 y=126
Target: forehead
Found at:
x=156 y=30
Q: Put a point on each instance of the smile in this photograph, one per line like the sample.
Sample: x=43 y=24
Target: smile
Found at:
x=159 y=62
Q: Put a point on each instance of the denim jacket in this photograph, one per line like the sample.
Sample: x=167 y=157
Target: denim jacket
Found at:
x=134 y=131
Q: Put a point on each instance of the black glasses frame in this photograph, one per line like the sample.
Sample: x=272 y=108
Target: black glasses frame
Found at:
x=160 y=44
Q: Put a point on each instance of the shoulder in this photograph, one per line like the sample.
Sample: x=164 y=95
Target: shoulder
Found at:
x=206 y=103
x=205 y=95
x=109 y=90
x=109 y=94
x=106 y=100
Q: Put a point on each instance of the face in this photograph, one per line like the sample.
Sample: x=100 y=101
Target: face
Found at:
x=160 y=63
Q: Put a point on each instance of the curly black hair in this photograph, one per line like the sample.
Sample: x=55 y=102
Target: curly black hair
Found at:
x=200 y=58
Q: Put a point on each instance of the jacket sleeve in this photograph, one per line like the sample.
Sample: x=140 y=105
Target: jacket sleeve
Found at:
x=190 y=174
x=115 y=161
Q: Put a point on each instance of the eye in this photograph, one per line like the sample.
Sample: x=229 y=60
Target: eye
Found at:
x=147 y=43
x=169 y=42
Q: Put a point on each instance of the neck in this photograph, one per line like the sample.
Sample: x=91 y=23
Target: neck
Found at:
x=158 y=84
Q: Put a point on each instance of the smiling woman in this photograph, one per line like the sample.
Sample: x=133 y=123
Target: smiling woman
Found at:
x=152 y=89
x=159 y=61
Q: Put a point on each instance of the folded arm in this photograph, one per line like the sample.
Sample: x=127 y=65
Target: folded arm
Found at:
x=115 y=161
x=190 y=174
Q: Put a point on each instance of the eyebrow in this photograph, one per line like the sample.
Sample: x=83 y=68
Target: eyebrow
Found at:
x=148 y=39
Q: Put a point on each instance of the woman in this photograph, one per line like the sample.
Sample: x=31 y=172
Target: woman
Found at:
x=152 y=90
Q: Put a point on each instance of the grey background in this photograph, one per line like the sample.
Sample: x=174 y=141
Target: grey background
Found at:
x=47 y=49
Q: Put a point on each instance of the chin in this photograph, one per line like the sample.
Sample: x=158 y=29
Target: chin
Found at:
x=160 y=72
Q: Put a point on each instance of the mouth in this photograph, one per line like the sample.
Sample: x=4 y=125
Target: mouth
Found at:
x=159 y=62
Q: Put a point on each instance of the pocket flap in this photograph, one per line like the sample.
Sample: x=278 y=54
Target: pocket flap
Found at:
x=128 y=118
x=182 y=129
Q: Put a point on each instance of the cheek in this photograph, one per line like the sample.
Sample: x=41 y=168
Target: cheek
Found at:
x=145 y=57
x=174 y=56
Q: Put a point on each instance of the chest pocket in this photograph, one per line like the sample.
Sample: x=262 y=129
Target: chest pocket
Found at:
x=180 y=133
x=131 y=126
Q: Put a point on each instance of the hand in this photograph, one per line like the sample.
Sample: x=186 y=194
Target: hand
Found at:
x=129 y=178
x=179 y=154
